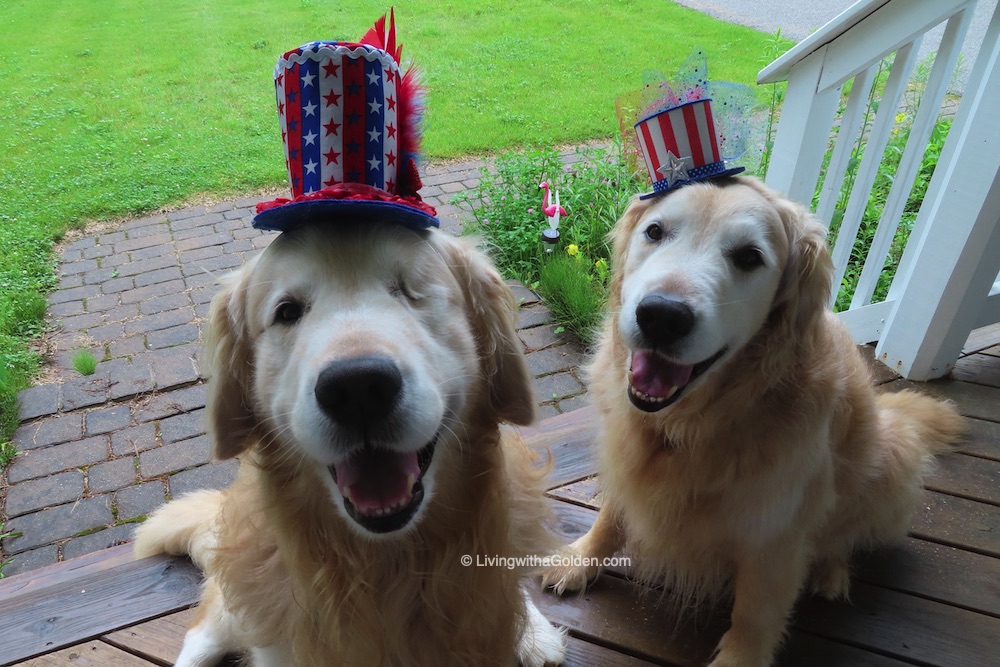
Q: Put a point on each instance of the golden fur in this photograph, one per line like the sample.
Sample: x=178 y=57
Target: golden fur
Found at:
x=289 y=576
x=780 y=460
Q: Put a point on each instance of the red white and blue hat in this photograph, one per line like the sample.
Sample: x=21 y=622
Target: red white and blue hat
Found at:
x=686 y=129
x=680 y=145
x=350 y=124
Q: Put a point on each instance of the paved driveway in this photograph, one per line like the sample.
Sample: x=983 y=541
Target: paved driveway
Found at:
x=798 y=19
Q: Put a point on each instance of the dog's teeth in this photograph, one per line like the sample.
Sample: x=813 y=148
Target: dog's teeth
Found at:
x=630 y=376
x=411 y=479
x=348 y=493
x=653 y=399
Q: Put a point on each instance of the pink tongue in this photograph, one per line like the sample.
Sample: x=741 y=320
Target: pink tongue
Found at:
x=655 y=376
x=375 y=478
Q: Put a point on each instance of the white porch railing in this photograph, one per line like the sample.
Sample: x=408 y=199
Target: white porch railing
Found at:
x=946 y=283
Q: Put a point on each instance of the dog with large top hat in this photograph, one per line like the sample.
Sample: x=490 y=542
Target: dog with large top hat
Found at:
x=361 y=368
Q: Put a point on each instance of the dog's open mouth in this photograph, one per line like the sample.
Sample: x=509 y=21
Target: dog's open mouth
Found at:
x=655 y=382
x=383 y=489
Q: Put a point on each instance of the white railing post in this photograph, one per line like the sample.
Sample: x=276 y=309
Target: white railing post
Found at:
x=803 y=129
x=946 y=273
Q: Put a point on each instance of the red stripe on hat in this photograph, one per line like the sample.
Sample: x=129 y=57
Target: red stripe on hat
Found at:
x=293 y=126
x=667 y=130
x=353 y=71
x=694 y=140
x=711 y=131
x=646 y=144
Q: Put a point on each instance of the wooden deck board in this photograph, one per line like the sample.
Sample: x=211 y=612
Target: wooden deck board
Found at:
x=961 y=523
x=57 y=610
x=967 y=476
x=88 y=654
x=982 y=439
x=158 y=640
x=936 y=572
x=904 y=626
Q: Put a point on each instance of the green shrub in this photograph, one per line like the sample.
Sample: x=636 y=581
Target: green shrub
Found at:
x=507 y=213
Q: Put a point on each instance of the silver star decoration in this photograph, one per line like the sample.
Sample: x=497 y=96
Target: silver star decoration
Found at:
x=674 y=170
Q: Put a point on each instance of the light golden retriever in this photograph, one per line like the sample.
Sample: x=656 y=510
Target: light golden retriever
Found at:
x=361 y=373
x=743 y=450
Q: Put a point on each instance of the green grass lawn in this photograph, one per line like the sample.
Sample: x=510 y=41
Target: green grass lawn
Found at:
x=120 y=107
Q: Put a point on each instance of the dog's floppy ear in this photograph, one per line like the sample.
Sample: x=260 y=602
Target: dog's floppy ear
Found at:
x=229 y=357
x=619 y=238
x=806 y=282
x=492 y=311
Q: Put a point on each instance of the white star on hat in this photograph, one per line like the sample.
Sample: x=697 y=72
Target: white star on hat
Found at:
x=373 y=78
x=310 y=109
x=375 y=106
x=311 y=167
x=373 y=135
x=310 y=138
x=675 y=169
x=373 y=163
x=307 y=80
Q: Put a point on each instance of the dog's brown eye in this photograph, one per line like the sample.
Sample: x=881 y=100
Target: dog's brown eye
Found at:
x=747 y=258
x=288 y=312
x=654 y=232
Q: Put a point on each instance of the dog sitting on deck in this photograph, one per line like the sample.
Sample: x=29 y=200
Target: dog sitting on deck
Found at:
x=744 y=453
x=361 y=368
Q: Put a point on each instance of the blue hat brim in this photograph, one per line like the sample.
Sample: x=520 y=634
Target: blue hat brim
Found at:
x=681 y=184
x=295 y=214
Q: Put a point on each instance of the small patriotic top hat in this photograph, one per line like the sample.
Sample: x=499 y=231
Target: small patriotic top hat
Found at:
x=686 y=129
x=349 y=118
x=679 y=145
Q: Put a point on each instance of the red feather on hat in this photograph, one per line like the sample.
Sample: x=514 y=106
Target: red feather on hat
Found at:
x=410 y=108
x=377 y=36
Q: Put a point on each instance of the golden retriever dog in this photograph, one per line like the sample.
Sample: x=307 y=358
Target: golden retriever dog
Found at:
x=362 y=372
x=743 y=451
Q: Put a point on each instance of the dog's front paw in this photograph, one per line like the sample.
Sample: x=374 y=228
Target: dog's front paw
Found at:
x=569 y=572
x=541 y=644
x=737 y=649
x=831 y=579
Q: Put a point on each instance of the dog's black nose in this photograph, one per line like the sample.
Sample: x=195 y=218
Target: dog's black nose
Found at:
x=663 y=319
x=359 y=391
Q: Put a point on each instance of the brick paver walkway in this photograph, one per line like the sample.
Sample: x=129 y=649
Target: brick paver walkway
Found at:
x=100 y=451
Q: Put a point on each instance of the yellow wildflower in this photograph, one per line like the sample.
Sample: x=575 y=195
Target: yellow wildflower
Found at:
x=572 y=250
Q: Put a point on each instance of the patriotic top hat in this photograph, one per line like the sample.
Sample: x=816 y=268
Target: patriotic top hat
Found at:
x=679 y=131
x=349 y=121
x=680 y=145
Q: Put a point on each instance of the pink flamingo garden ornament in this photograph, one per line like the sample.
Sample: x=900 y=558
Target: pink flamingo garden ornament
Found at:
x=552 y=211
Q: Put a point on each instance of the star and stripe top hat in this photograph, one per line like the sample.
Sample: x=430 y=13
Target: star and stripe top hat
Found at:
x=678 y=134
x=350 y=124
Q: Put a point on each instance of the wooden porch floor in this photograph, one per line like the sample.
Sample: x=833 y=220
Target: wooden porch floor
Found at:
x=933 y=602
